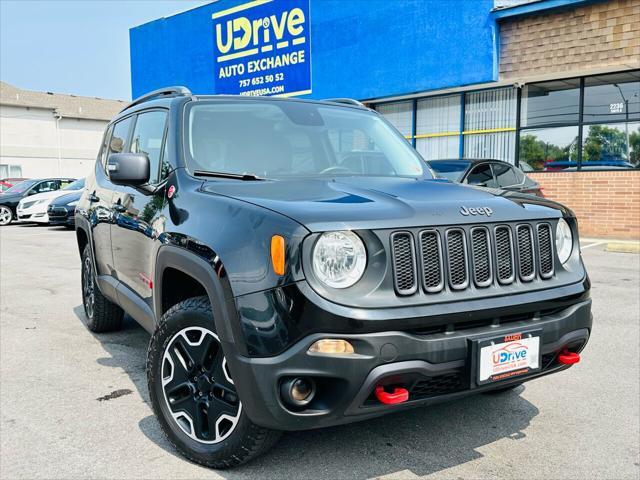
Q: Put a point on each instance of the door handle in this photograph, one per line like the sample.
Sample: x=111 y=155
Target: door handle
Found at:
x=93 y=198
x=119 y=207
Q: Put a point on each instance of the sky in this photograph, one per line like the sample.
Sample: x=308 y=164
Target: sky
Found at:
x=79 y=47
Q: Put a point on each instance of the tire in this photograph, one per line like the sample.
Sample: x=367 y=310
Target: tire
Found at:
x=192 y=392
x=6 y=215
x=102 y=314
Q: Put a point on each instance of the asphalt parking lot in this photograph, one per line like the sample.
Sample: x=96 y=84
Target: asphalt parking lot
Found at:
x=75 y=405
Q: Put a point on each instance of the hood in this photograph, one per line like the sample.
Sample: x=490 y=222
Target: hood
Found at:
x=48 y=195
x=384 y=202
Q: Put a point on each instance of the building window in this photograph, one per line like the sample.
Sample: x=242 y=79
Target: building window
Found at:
x=10 y=171
x=611 y=145
x=438 y=127
x=490 y=124
x=550 y=103
x=549 y=148
x=400 y=115
x=608 y=98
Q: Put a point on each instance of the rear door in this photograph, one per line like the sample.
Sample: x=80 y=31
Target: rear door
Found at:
x=138 y=216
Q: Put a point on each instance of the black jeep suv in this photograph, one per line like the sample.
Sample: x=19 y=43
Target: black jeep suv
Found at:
x=298 y=266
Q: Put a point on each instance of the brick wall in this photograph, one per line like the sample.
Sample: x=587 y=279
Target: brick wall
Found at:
x=600 y=35
x=607 y=204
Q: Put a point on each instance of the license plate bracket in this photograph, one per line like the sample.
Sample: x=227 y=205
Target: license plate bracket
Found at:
x=507 y=356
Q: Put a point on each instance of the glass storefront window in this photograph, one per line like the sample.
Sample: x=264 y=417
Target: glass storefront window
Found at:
x=549 y=149
x=612 y=97
x=489 y=124
x=438 y=127
x=612 y=146
x=550 y=103
x=399 y=114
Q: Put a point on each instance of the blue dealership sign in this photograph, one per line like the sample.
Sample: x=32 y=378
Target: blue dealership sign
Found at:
x=263 y=47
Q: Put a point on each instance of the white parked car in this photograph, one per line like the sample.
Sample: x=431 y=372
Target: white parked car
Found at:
x=34 y=207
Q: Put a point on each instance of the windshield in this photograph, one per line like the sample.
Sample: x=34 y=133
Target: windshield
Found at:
x=20 y=187
x=452 y=170
x=76 y=185
x=287 y=138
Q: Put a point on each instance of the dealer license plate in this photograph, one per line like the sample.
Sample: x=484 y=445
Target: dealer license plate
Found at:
x=508 y=356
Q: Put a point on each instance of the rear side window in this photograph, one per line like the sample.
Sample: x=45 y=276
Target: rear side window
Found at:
x=148 y=135
x=481 y=175
x=47 y=186
x=505 y=175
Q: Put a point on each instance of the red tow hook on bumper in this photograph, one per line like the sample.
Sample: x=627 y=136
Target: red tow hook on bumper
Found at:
x=568 y=358
x=399 y=395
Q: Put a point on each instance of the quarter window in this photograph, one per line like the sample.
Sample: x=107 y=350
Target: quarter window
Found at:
x=147 y=138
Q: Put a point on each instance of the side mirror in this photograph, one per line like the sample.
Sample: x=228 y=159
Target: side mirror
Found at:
x=129 y=168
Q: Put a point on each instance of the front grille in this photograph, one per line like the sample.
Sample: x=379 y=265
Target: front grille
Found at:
x=457 y=258
x=404 y=263
x=525 y=253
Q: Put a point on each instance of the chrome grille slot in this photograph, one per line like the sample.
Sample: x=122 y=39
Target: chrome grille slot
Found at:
x=431 y=261
x=526 y=260
x=457 y=259
x=481 y=257
x=545 y=250
x=504 y=255
x=404 y=263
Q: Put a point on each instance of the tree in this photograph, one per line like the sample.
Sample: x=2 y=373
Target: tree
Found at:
x=603 y=143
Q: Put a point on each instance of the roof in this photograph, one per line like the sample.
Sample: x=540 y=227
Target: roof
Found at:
x=91 y=108
x=536 y=7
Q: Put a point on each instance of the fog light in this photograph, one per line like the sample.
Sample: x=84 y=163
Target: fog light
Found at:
x=332 y=346
x=298 y=391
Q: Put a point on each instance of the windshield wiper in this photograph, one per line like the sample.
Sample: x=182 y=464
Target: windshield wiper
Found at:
x=236 y=176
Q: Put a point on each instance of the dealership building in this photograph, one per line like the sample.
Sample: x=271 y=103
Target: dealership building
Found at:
x=552 y=86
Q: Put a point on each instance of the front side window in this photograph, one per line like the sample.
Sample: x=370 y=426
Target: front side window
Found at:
x=119 y=137
x=147 y=138
x=481 y=176
x=271 y=138
x=505 y=175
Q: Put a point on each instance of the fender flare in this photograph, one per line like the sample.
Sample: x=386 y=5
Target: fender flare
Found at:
x=217 y=287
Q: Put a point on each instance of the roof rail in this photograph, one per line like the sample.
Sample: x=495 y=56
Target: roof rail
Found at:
x=162 y=92
x=348 y=101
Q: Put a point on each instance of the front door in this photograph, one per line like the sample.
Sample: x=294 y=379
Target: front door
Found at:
x=138 y=215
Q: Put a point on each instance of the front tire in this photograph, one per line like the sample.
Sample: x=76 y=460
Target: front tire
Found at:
x=6 y=215
x=102 y=314
x=193 y=394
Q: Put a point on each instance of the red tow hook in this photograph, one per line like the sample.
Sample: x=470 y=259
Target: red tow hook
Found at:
x=399 y=395
x=568 y=358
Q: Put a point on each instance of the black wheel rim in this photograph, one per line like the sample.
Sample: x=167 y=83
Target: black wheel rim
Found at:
x=197 y=386
x=5 y=216
x=88 y=287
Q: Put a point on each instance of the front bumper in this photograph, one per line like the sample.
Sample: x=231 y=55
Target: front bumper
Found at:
x=61 y=216
x=435 y=368
x=33 y=215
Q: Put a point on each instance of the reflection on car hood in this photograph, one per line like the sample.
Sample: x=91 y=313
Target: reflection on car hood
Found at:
x=382 y=202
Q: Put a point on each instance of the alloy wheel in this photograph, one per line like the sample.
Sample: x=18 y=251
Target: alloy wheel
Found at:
x=197 y=386
x=5 y=215
x=88 y=288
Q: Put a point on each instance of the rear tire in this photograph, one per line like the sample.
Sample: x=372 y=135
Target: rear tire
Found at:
x=193 y=394
x=102 y=314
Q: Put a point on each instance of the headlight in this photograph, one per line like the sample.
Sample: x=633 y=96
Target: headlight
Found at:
x=72 y=204
x=564 y=240
x=339 y=259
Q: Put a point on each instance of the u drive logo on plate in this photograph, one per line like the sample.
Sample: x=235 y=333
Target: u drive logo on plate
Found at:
x=513 y=352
